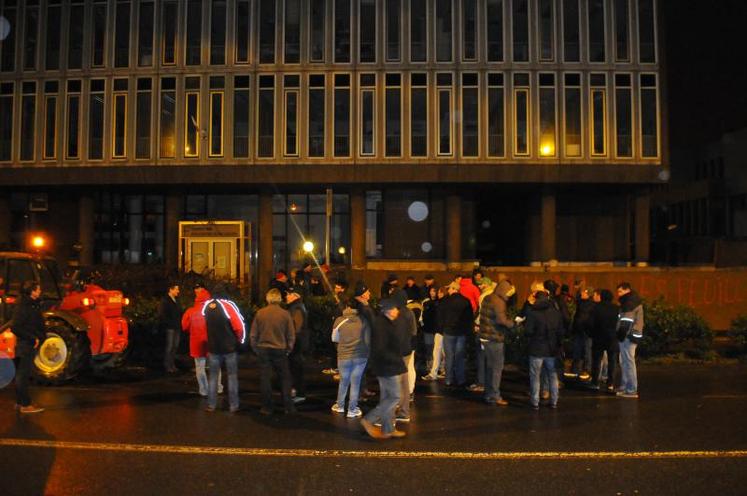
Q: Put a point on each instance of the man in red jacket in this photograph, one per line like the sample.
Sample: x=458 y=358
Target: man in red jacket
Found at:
x=469 y=291
x=193 y=322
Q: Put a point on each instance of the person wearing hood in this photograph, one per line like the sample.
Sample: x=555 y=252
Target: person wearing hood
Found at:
x=297 y=358
x=193 y=322
x=544 y=328
x=407 y=331
x=493 y=326
x=28 y=327
x=631 y=312
x=352 y=333
x=486 y=286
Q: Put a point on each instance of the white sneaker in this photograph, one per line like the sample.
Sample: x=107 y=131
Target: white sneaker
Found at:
x=354 y=413
x=337 y=408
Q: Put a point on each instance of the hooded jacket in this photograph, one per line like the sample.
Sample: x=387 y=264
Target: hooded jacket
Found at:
x=28 y=325
x=544 y=327
x=454 y=317
x=631 y=307
x=355 y=335
x=193 y=322
x=470 y=291
x=494 y=323
x=385 y=359
x=604 y=318
x=406 y=323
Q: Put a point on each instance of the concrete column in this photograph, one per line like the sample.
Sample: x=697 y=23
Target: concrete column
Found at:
x=86 y=229
x=548 y=220
x=5 y=220
x=358 y=229
x=642 y=228
x=171 y=244
x=265 y=243
x=453 y=229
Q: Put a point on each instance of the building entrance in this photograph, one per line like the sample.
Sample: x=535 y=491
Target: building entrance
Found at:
x=217 y=249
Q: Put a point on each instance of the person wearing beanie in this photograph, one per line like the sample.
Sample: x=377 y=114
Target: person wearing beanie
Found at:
x=494 y=324
x=544 y=328
x=391 y=282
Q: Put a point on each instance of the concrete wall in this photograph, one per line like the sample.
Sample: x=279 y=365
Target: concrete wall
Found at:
x=718 y=295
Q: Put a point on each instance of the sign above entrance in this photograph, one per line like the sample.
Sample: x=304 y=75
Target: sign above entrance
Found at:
x=210 y=230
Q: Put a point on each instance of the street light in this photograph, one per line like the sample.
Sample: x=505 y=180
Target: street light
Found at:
x=308 y=246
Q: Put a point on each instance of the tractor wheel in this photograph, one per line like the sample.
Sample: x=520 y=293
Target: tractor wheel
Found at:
x=106 y=361
x=62 y=355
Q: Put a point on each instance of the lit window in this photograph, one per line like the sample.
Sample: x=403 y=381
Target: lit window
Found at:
x=521 y=114
x=547 y=138
x=572 y=121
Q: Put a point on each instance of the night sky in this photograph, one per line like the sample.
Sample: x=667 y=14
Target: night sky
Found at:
x=706 y=59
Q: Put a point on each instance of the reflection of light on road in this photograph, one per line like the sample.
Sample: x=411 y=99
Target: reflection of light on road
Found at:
x=7 y=370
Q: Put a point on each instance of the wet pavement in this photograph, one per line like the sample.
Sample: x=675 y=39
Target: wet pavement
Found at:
x=137 y=432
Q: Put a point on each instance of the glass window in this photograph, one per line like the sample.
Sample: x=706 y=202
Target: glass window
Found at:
x=98 y=35
x=192 y=119
x=521 y=114
x=218 y=33
x=291 y=115
x=393 y=29
x=596 y=31
x=316 y=30
x=28 y=118
x=368 y=114
x=54 y=16
x=266 y=116
x=547 y=139
x=72 y=125
x=393 y=119
x=494 y=21
x=8 y=45
x=243 y=30
x=342 y=31
x=119 y=130
x=266 y=31
x=374 y=224
x=367 y=30
x=194 y=32
x=241 y=102
x=646 y=31
x=169 y=12
x=50 y=120
x=31 y=37
x=142 y=123
x=96 y=120
x=75 y=38
x=292 y=31
x=444 y=85
x=470 y=115
x=215 y=137
x=145 y=34
x=469 y=19
x=316 y=115
x=419 y=115
x=546 y=30
x=649 y=117
x=571 y=43
x=122 y=35
x=167 y=128
x=622 y=28
x=6 y=121
x=598 y=114
x=572 y=121
x=418 y=31
x=496 y=116
x=443 y=30
x=342 y=115
x=521 y=30
x=623 y=116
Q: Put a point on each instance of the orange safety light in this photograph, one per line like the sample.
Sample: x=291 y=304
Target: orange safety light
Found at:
x=86 y=302
x=38 y=242
x=126 y=301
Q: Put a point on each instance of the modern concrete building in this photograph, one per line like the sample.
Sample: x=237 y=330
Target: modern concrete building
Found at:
x=439 y=131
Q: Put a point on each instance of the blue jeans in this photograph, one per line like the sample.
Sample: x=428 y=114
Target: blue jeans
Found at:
x=389 y=392
x=494 y=358
x=455 y=355
x=230 y=360
x=536 y=365
x=351 y=372
x=481 y=362
x=202 y=380
x=629 y=382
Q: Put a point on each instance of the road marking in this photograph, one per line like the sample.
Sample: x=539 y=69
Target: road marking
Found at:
x=304 y=453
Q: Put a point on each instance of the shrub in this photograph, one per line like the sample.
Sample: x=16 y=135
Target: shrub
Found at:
x=672 y=329
x=738 y=332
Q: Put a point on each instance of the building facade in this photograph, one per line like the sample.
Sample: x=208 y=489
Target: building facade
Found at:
x=508 y=131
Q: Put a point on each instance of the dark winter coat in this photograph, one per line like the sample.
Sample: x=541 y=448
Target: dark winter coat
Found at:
x=225 y=326
x=413 y=292
x=582 y=320
x=455 y=316
x=430 y=311
x=544 y=328
x=169 y=314
x=604 y=324
x=406 y=323
x=385 y=359
x=494 y=323
x=28 y=325
x=631 y=306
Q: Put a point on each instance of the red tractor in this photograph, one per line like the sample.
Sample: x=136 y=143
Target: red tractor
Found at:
x=85 y=327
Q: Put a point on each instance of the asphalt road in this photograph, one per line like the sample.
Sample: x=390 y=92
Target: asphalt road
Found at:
x=137 y=432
